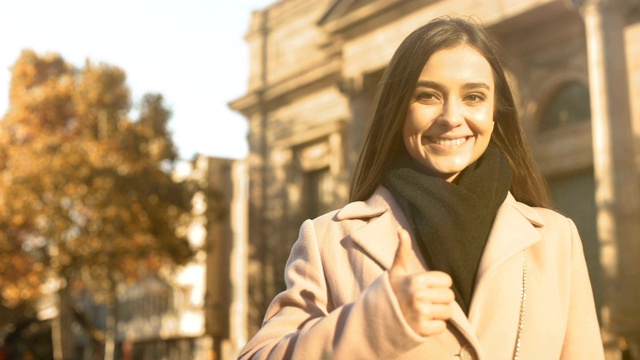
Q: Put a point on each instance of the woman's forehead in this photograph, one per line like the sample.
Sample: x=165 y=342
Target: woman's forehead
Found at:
x=461 y=64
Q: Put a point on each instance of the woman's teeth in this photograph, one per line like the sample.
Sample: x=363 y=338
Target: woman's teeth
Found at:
x=449 y=142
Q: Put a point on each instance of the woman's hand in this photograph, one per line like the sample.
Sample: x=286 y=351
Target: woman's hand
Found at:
x=425 y=297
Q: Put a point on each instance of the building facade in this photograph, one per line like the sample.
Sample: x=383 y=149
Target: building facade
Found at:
x=199 y=311
x=575 y=67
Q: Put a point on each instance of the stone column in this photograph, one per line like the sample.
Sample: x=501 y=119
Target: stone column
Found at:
x=238 y=215
x=617 y=186
x=360 y=91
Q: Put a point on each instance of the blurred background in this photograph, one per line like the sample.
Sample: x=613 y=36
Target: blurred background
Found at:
x=107 y=108
x=158 y=158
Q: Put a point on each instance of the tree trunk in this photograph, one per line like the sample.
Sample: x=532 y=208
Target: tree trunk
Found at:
x=111 y=324
x=61 y=334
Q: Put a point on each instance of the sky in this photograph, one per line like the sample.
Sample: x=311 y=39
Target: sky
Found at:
x=191 y=51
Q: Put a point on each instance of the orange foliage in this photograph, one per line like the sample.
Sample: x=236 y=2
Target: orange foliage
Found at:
x=82 y=191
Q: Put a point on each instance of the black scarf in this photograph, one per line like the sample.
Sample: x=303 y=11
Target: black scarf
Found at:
x=452 y=221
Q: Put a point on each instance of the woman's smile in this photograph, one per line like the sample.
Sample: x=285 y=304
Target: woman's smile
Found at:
x=446 y=143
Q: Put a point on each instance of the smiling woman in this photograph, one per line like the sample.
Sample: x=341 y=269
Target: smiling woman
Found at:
x=448 y=249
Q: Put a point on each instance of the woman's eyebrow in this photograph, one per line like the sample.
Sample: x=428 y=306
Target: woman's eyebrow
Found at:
x=466 y=86
x=429 y=84
x=476 y=85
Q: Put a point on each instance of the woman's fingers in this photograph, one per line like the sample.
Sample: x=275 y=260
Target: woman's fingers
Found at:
x=426 y=300
x=431 y=327
x=429 y=280
x=435 y=296
x=437 y=311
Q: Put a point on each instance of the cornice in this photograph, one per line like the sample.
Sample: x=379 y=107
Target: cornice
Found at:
x=314 y=73
x=343 y=18
x=305 y=134
x=246 y=104
x=281 y=12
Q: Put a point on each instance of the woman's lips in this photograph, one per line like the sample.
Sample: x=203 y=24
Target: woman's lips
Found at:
x=447 y=143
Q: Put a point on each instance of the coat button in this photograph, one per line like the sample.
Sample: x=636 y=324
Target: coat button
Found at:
x=467 y=353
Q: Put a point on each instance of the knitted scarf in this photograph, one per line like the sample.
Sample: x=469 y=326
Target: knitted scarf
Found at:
x=452 y=221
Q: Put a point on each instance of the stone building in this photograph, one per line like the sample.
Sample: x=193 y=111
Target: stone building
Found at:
x=199 y=311
x=575 y=67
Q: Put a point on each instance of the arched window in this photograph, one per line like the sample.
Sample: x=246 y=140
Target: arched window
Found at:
x=569 y=105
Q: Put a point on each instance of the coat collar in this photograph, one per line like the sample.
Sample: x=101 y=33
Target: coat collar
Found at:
x=375 y=205
x=514 y=230
x=378 y=238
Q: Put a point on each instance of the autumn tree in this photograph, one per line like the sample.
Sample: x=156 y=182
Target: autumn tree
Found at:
x=86 y=193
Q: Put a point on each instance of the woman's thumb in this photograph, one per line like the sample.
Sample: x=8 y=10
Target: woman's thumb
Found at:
x=403 y=253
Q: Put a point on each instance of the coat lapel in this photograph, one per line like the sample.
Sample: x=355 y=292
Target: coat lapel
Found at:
x=495 y=307
x=378 y=239
x=513 y=230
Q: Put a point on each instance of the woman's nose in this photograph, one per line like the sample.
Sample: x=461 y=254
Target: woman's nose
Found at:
x=451 y=114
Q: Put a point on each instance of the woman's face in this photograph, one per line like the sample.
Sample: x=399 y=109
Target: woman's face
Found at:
x=450 y=116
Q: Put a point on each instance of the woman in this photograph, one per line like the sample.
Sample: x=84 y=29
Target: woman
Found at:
x=448 y=249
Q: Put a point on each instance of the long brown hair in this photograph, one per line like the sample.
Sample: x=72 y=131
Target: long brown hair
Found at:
x=384 y=138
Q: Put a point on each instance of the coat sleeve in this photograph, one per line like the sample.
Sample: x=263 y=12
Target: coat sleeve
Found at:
x=582 y=338
x=299 y=325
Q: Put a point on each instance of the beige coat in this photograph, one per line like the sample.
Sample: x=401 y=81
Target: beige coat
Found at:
x=339 y=303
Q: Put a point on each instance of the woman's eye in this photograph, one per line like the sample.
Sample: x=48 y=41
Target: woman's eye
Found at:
x=426 y=97
x=474 y=98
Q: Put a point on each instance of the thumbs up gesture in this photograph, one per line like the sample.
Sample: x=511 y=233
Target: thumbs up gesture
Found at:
x=425 y=297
